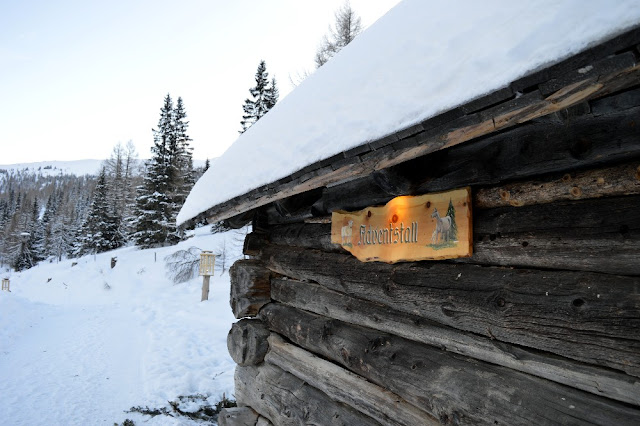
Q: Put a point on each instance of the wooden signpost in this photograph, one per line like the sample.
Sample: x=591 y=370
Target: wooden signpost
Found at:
x=431 y=226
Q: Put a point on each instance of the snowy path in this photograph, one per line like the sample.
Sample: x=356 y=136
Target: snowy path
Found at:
x=81 y=343
x=70 y=370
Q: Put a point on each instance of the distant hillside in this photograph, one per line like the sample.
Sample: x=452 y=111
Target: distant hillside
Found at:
x=75 y=167
x=54 y=168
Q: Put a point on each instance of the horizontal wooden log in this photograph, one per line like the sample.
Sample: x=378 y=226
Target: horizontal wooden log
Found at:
x=590 y=235
x=250 y=287
x=598 y=235
x=343 y=386
x=589 y=317
x=525 y=151
x=454 y=389
x=247 y=342
x=237 y=416
x=317 y=299
x=602 y=182
x=287 y=400
x=252 y=243
x=453 y=133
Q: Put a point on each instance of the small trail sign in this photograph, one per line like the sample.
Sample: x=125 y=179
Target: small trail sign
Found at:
x=408 y=228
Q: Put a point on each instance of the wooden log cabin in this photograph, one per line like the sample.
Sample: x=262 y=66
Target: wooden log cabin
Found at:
x=537 y=322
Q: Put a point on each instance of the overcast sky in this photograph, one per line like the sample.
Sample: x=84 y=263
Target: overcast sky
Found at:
x=79 y=76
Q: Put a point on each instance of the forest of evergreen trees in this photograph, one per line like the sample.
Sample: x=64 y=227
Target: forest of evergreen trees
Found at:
x=50 y=217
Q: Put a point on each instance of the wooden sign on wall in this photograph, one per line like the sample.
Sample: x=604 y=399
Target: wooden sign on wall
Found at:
x=431 y=226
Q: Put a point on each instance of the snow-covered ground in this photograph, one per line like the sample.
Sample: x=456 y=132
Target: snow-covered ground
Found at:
x=81 y=344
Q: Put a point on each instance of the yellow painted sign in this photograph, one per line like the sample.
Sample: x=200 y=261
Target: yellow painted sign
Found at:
x=431 y=226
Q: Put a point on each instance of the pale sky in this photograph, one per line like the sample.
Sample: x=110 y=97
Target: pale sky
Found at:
x=79 y=76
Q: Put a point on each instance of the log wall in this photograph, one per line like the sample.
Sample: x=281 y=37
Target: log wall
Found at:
x=540 y=326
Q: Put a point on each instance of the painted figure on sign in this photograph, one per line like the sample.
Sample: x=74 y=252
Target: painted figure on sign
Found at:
x=443 y=227
x=347 y=232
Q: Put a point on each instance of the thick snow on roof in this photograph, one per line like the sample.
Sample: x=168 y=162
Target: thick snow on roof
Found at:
x=421 y=59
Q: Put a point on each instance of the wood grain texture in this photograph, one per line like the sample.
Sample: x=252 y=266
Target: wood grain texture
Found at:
x=289 y=401
x=320 y=300
x=456 y=390
x=237 y=416
x=591 y=235
x=588 y=317
x=537 y=148
x=247 y=342
x=250 y=288
x=595 y=183
x=343 y=386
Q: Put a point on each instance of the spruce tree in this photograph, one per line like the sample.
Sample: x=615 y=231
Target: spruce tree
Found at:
x=100 y=231
x=264 y=95
x=451 y=212
x=167 y=181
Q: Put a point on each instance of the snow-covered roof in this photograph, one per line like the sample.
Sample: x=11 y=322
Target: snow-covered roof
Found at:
x=421 y=59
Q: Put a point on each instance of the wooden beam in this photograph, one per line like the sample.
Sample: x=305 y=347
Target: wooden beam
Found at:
x=287 y=400
x=588 y=317
x=595 y=183
x=344 y=386
x=322 y=301
x=519 y=153
x=250 y=288
x=601 y=234
x=247 y=342
x=451 y=388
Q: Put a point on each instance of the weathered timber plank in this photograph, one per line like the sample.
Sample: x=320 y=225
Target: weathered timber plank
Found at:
x=456 y=390
x=450 y=136
x=607 y=65
x=599 y=235
x=589 y=317
x=237 y=416
x=288 y=401
x=596 y=183
x=533 y=149
x=247 y=342
x=250 y=287
x=346 y=387
x=320 y=300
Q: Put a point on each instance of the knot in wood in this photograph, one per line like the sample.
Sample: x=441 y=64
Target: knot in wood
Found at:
x=576 y=192
x=505 y=195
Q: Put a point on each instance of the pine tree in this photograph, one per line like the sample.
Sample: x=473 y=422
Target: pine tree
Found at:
x=345 y=30
x=451 y=212
x=167 y=181
x=183 y=156
x=36 y=229
x=264 y=95
x=100 y=231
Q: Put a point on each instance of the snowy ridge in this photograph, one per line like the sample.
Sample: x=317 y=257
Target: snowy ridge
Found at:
x=54 y=168
x=422 y=58
x=74 y=167
x=81 y=344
